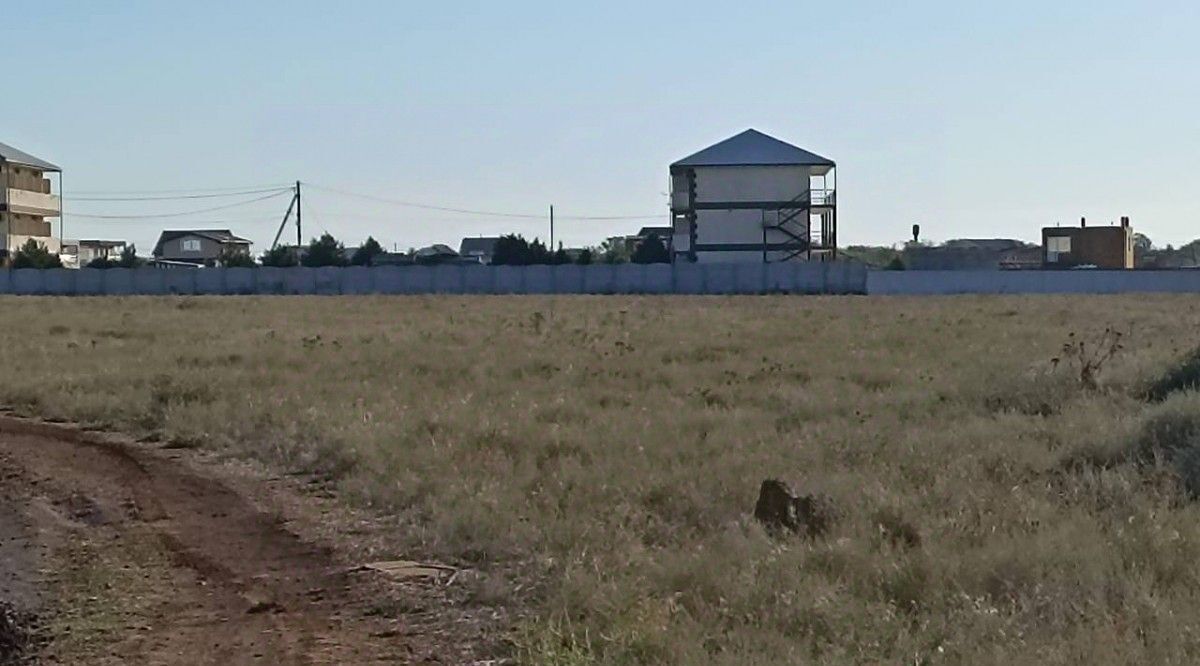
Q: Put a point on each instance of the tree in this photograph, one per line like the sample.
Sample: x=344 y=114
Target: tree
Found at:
x=102 y=263
x=651 y=251
x=35 y=255
x=560 y=256
x=235 y=258
x=279 y=257
x=538 y=253
x=511 y=250
x=1141 y=243
x=614 y=252
x=896 y=264
x=324 y=251
x=366 y=253
x=585 y=257
x=129 y=258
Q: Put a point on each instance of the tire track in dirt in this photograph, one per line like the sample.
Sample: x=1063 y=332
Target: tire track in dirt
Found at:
x=201 y=576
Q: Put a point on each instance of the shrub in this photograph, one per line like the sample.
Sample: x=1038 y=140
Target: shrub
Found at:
x=233 y=258
x=279 y=257
x=34 y=255
x=651 y=251
x=129 y=257
x=1183 y=377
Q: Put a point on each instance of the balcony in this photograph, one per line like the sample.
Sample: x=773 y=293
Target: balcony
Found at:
x=26 y=202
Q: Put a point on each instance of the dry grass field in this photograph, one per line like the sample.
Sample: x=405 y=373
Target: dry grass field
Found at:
x=598 y=459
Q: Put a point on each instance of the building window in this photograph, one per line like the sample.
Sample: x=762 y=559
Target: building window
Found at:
x=190 y=245
x=1056 y=245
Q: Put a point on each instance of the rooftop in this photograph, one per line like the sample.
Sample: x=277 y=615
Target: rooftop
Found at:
x=753 y=148
x=221 y=236
x=14 y=156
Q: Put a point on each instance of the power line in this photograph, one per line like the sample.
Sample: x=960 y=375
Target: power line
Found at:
x=201 y=190
x=182 y=213
x=467 y=211
x=179 y=197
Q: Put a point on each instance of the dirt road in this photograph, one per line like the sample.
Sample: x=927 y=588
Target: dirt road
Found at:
x=131 y=556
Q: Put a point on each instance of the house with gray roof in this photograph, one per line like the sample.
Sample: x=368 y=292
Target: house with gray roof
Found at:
x=753 y=198
x=198 y=247
x=481 y=247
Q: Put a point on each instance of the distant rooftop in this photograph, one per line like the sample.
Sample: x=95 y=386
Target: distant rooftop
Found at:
x=753 y=148
x=478 y=245
x=14 y=156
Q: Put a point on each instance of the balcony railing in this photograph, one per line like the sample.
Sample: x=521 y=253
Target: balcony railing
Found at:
x=31 y=203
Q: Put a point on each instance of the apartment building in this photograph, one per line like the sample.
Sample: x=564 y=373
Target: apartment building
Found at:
x=26 y=201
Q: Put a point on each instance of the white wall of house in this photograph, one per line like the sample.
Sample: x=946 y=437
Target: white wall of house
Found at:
x=751 y=183
x=739 y=226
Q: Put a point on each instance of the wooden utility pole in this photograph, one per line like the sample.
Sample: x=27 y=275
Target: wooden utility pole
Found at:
x=299 y=238
x=552 y=228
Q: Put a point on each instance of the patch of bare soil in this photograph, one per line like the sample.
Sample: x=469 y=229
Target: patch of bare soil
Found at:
x=135 y=555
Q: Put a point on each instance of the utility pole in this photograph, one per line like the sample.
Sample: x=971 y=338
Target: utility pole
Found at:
x=552 y=228
x=299 y=237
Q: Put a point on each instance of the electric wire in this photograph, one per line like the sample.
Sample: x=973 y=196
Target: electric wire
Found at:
x=180 y=213
x=181 y=197
x=467 y=211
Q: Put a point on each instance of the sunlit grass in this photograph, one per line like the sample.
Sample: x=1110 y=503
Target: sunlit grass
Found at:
x=600 y=456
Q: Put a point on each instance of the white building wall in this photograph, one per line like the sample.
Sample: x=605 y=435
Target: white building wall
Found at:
x=747 y=183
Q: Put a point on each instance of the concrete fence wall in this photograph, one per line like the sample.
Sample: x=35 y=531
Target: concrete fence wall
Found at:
x=1031 y=282
x=789 y=278
x=782 y=278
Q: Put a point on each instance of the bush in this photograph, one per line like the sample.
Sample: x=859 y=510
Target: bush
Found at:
x=231 y=258
x=279 y=257
x=584 y=258
x=651 y=251
x=1182 y=377
x=34 y=255
x=129 y=258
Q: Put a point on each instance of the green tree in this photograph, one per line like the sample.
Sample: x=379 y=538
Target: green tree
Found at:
x=235 y=258
x=102 y=263
x=366 y=253
x=129 y=257
x=511 y=250
x=585 y=257
x=324 y=251
x=896 y=264
x=651 y=251
x=560 y=256
x=35 y=255
x=538 y=253
x=279 y=256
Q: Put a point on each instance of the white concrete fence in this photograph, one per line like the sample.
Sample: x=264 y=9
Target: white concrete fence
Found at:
x=788 y=278
x=1032 y=282
x=780 y=278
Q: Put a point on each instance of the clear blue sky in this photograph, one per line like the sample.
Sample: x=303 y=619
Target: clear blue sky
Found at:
x=972 y=121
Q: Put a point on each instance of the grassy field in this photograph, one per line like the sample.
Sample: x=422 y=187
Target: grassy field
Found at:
x=599 y=458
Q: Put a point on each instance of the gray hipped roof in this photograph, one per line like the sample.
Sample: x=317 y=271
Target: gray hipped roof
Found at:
x=753 y=148
x=14 y=156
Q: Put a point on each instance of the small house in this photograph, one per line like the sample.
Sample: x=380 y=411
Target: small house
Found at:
x=199 y=247
x=1108 y=247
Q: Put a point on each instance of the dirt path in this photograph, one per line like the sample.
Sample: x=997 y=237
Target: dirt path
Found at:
x=136 y=558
